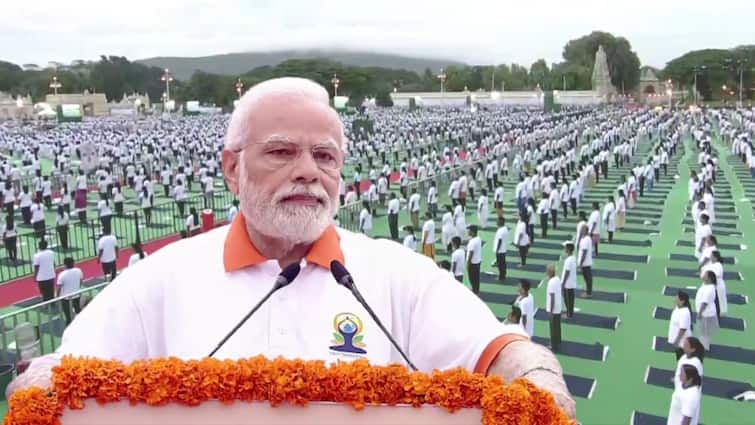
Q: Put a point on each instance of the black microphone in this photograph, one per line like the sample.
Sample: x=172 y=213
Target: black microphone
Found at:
x=284 y=279
x=343 y=277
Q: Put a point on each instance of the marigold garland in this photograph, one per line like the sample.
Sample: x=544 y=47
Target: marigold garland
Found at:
x=161 y=381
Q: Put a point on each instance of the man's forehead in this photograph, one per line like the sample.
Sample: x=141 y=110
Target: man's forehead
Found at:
x=281 y=114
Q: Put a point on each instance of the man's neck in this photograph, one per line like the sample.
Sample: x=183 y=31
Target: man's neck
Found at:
x=285 y=252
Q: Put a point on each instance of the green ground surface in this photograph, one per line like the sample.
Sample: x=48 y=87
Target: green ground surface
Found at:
x=619 y=386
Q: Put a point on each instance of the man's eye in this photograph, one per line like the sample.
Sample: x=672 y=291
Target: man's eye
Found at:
x=282 y=153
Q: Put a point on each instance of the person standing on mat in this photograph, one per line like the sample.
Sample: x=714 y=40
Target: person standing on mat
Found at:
x=569 y=278
x=474 y=258
x=428 y=236
x=621 y=210
x=707 y=305
x=593 y=223
x=554 y=201
x=701 y=233
x=685 y=402
x=500 y=243
x=410 y=240
x=553 y=307
x=585 y=261
x=680 y=326
x=609 y=218
x=543 y=211
x=457 y=259
x=522 y=238
x=107 y=254
x=44 y=271
x=692 y=353
x=393 y=208
x=10 y=238
x=526 y=303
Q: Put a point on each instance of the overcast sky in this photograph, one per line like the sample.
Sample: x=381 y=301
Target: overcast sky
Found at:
x=473 y=31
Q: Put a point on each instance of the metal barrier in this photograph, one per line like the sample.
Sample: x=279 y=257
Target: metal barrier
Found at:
x=163 y=219
x=46 y=320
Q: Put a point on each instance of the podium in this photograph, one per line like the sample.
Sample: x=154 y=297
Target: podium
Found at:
x=257 y=391
x=261 y=413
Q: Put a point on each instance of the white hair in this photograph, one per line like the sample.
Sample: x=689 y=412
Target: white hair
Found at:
x=237 y=135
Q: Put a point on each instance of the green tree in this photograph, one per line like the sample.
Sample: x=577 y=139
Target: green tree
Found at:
x=715 y=68
x=540 y=74
x=623 y=63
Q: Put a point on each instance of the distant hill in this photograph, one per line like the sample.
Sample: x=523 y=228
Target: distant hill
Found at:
x=239 y=63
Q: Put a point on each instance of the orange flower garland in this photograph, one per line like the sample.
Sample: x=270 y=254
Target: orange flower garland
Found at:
x=171 y=380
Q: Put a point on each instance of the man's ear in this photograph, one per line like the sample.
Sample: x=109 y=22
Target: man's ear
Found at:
x=231 y=162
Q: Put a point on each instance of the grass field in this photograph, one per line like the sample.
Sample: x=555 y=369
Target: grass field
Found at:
x=611 y=345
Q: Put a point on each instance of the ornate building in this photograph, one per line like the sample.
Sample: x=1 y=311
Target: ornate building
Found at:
x=601 y=76
x=92 y=104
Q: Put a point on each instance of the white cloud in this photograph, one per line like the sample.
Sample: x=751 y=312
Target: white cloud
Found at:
x=473 y=31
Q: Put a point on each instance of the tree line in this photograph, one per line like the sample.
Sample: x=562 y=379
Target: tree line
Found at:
x=115 y=76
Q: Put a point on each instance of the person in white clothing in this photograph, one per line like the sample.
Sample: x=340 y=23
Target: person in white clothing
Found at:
x=474 y=258
x=500 y=242
x=483 y=209
x=680 y=325
x=553 y=306
x=457 y=259
x=526 y=303
x=428 y=236
x=701 y=233
x=107 y=254
x=138 y=254
x=365 y=219
x=715 y=265
x=410 y=241
x=685 y=402
x=706 y=304
x=593 y=224
x=522 y=238
x=584 y=260
x=569 y=278
x=232 y=210
x=283 y=153
x=460 y=221
x=448 y=230
x=609 y=218
x=69 y=282
x=44 y=271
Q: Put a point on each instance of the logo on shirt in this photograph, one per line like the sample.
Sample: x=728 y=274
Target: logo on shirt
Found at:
x=348 y=334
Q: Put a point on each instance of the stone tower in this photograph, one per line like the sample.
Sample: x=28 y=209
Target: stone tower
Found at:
x=601 y=76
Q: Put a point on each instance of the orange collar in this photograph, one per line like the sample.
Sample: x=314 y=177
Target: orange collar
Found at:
x=239 y=251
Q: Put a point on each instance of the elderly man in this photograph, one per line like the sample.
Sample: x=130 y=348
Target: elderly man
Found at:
x=283 y=154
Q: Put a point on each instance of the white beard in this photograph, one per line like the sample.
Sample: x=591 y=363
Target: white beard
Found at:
x=292 y=224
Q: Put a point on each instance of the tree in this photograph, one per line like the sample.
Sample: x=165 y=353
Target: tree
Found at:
x=623 y=63
x=383 y=98
x=540 y=74
x=715 y=68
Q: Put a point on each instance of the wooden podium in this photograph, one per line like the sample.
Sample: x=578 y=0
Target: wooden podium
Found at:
x=261 y=413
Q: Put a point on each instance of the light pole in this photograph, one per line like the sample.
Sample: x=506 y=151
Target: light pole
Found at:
x=442 y=77
x=335 y=81
x=696 y=70
x=167 y=78
x=670 y=93
x=55 y=84
x=239 y=87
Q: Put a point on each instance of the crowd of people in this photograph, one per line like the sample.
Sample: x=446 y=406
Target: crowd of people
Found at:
x=542 y=163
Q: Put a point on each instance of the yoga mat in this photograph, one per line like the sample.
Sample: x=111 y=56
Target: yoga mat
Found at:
x=639 y=418
x=611 y=274
x=612 y=297
x=579 y=386
x=726 y=322
x=577 y=349
x=692 y=259
x=694 y=273
x=583 y=319
x=730 y=246
x=624 y=257
x=719 y=352
x=722 y=388
x=671 y=291
x=626 y=242
x=494 y=297
x=510 y=280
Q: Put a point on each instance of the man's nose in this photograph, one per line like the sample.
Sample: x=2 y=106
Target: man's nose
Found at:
x=305 y=168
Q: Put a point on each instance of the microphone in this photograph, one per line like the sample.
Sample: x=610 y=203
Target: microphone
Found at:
x=284 y=279
x=343 y=277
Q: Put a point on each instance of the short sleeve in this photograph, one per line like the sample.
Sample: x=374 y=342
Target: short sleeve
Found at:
x=684 y=320
x=441 y=341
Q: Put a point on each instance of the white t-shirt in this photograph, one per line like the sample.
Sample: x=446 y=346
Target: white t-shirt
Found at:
x=527 y=305
x=683 y=360
x=570 y=265
x=474 y=250
x=706 y=294
x=457 y=262
x=502 y=236
x=37 y=213
x=107 y=245
x=685 y=402
x=365 y=220
x=428 y=232
x=104 y=208
x=585 y=249
x=521 y=232
x=46 y=261
x=680 y=319
x=554 y=288
x=69 y=281
x=135 y=258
